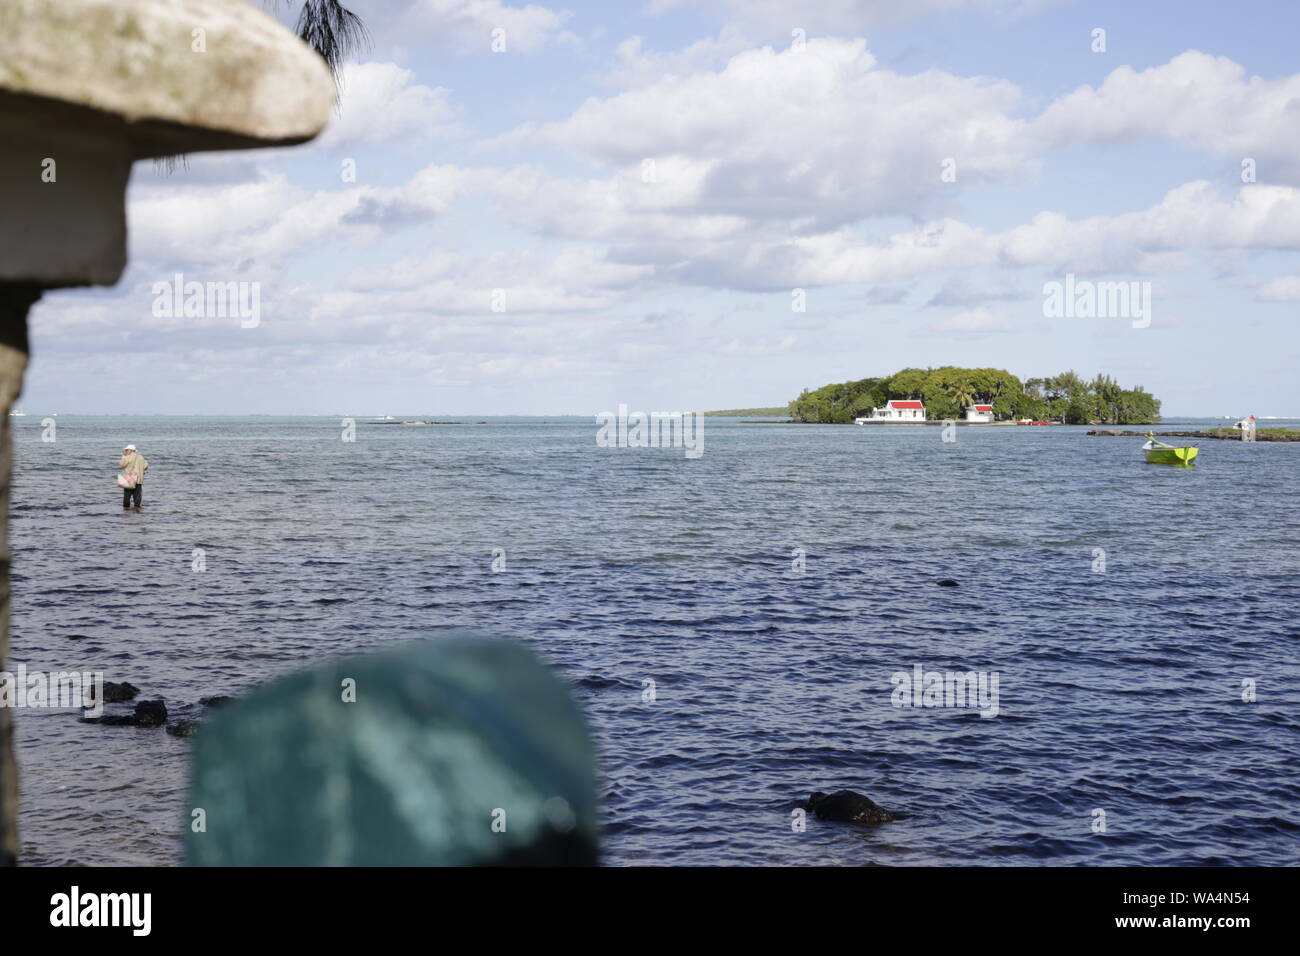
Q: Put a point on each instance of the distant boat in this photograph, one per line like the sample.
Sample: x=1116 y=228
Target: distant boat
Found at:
x=1158 y=453
x=17 y=414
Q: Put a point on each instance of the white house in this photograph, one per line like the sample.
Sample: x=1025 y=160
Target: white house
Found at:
x=979 y=413
x=908 y=410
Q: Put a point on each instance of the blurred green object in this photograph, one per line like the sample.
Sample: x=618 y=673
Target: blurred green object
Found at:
x=460 y=750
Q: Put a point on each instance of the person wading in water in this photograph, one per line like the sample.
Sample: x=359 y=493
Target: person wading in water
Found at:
x=134 y=466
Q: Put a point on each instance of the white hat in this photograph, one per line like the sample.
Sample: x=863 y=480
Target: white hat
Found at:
x=130 y=448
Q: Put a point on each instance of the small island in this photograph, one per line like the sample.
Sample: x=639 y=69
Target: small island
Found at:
x=976 y=396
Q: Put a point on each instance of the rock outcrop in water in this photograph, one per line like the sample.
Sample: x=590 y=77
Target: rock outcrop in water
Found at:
x=118 y=693
x=148 y=713
x=1223 y=434
x=845 y=806
x=154 y=713
x=183 y=728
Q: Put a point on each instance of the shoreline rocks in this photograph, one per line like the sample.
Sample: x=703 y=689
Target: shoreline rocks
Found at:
x=147 y=713
x=154 y=713
x=117 y=693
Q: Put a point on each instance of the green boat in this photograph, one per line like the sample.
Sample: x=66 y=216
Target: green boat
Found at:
x=1158 y=453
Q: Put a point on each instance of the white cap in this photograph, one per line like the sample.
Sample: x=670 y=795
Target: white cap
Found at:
x=130 y=448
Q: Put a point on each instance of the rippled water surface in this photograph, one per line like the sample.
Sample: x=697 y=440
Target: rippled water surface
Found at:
x=1119 y=691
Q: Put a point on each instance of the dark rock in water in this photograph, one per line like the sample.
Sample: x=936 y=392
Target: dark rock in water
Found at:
x=117 y=693
x=947 y=583
x=183 y=728
x=112 y=720
x=217 y=701
x=845 y=806
x=150 y=713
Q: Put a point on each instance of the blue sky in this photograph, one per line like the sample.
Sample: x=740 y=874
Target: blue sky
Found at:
x=643 y=186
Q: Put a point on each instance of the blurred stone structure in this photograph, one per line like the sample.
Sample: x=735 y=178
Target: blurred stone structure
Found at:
x=459 y=749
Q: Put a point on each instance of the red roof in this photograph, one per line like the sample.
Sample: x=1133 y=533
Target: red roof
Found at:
x=983 y=408
x=893 y=404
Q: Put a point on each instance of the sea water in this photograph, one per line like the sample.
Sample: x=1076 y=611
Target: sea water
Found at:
x=731 y=624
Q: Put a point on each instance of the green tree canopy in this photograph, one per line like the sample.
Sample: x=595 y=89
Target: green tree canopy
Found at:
x=948 y=390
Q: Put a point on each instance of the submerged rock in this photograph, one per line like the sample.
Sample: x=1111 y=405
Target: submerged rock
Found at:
x=947 y=583
x=148 y=713
x=845 y=806
x=219 y=700
x=117 y=693
x=183 y=728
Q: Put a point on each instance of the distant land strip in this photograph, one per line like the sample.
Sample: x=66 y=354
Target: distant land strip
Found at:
x=1227 y=434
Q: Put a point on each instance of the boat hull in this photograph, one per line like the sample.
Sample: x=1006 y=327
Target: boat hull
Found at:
x=1172 y=456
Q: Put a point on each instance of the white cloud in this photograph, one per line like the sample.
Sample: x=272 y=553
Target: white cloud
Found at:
x=816 y=137
x=1281 y=289
x=844 y=16
x=469 y=23
x=979 y=321
x=274 y=219
x=1192 y=216
x=381 y=105
x=1202 y=101
x=638 y=67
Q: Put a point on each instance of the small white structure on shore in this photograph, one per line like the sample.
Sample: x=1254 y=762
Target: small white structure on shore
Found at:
x=979 y=413
x=906 y=410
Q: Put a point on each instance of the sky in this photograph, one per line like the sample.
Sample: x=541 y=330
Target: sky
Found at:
x=686 y=205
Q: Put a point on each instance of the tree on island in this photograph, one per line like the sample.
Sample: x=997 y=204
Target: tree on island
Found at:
x=947 y=391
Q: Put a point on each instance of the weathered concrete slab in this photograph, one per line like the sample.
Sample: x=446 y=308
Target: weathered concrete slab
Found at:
x=138 y=63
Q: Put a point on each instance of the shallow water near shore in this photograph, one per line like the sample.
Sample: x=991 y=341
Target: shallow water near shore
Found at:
x=1119 y=691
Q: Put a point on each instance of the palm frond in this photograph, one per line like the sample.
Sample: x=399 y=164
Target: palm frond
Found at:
x=329 y=28
x=333 y=31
